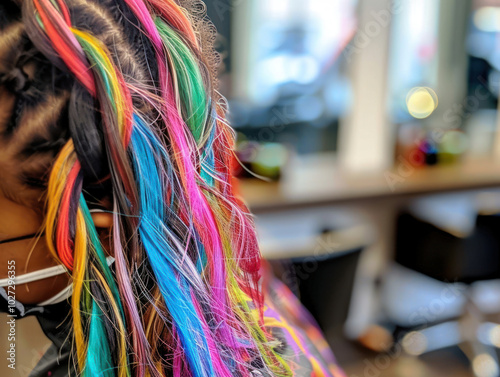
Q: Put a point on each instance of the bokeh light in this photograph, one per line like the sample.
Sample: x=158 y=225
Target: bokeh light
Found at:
x=414 y=343
x=487 y=19
x=484 y=365
x=421 y=102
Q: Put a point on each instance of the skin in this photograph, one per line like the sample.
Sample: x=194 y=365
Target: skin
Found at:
x=33 y=254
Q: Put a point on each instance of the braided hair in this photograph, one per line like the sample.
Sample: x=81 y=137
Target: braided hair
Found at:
x=115 y=100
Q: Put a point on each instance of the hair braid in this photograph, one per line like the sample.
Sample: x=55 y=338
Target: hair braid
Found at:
x=144 y=121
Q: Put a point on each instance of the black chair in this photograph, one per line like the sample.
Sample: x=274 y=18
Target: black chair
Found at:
x=326 y=291
x=435 y=252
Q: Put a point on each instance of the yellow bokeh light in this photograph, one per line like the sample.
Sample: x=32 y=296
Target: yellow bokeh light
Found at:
x=421 y=102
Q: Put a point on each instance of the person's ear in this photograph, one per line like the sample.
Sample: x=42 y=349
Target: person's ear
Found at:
x=102 y=219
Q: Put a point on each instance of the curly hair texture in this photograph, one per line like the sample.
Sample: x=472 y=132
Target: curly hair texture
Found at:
x=115 y=100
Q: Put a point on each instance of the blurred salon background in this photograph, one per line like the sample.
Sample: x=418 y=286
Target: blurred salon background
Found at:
x=369 y=151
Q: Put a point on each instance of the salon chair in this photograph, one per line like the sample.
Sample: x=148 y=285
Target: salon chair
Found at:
x=315 y=253
x=454 y=257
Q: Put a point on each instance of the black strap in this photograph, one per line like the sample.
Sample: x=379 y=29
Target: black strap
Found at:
x=15 y=239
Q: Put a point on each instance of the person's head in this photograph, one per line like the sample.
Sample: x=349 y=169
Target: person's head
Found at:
x=109 y=104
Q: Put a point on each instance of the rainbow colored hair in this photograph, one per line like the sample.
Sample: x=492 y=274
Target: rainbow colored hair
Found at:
x=183 y=297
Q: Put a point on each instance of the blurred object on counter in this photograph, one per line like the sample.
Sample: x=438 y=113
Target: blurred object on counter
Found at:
x=262 y=159
x=426 y=148
x=454 y=144
x=429 y=151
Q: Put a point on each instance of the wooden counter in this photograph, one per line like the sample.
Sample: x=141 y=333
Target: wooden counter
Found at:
x=317 y=181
